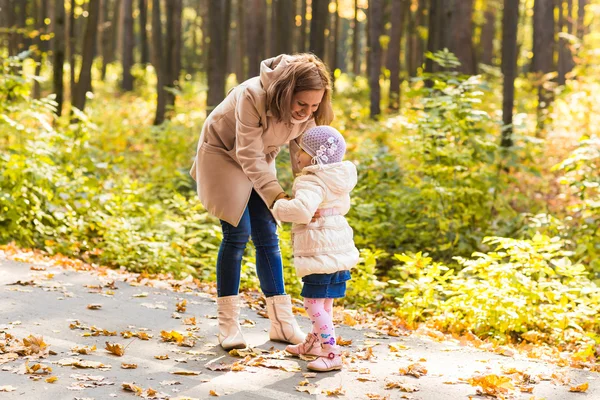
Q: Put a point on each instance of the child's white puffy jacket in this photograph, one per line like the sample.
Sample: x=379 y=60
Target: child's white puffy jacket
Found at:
x=326 y=245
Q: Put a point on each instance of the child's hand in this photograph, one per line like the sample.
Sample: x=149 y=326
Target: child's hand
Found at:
x=316 y=216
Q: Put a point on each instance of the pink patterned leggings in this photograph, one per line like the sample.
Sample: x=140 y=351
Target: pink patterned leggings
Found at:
x=320 y=312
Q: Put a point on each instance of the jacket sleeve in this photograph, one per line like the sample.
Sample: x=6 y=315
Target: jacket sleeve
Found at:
x=250 y=149
x=301 y=209
x=295 y=146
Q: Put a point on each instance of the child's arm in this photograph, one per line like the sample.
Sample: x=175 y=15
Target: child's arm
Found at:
x=301 y=209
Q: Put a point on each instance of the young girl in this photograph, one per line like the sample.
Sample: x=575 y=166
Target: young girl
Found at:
x=324 y=250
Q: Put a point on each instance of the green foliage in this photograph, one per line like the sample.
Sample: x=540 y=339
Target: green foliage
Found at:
x=582 y=175
x=520 y=286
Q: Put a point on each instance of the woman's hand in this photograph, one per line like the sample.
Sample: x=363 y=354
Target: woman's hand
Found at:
x=280 y=196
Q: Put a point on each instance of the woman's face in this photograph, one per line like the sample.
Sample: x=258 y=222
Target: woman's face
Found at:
x=306 y=102
x=303 y=159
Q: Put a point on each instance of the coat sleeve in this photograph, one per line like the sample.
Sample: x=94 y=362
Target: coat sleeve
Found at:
x=295 y=146
x=250 y=149
x=301 y=209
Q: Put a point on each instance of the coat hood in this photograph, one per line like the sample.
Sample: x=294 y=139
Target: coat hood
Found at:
x=339 y=177
x=271 y=68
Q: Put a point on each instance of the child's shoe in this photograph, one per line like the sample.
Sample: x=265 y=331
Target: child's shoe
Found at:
x=310 y=347
x=330 y=359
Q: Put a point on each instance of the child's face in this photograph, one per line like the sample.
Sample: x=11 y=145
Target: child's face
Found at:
x=303 y=159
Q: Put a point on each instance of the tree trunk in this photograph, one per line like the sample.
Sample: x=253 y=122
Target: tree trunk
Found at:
x=318 y=24
x=399 y=10
x=71 y=50
x=107 y=33
x=488 y=32
x=434 y=40
x=159 y=61
x=510 y=20
x=303 y=26
x=216 y=54
x=565 y=57
x=58 y=53
x=143 y=7
x=543 y=36
x=173 y=49
x=356 y=41
x=460 y=33
x=543 y=51
x=256 y=23
x=85 y=74
x=271 y=42
x=581 y=31
x=240 y=68
x=128 y=43
x=284 y=27
x=376 y=29
x=41 y=6
x=333 y=39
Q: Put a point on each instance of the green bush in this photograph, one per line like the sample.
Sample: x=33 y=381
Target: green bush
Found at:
x=519 y=287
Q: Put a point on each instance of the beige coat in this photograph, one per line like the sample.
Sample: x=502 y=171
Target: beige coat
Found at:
x=326 y=245
x=238 y=145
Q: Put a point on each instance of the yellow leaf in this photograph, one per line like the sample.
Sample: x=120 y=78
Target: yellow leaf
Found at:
x=128 y=366
x=184 y=372
x=51 y=379
x=162 y=357
x=94 y=306
x=213 y=393
x=35 y=344
x=84 y=349
x=189 y=321
x=492 y=384
x=115 y=348
x=130 y=387
x=181 y=306
x=395 y=347
x=580 y=388
x=417 y=370
x=342 y=342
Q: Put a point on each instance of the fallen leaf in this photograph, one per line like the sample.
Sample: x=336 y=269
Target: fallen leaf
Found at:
x=342 y=342
x=213 y=393
x=143 y=294
x=37 y=369
x=131 y=387
x=162 y=357
x=128 y=366
x=526 y=389
x=35 y=344
x=94 y=306
x=7 y=388
x=403 y=386
x=185 y=372
x=51 y=379
x=580 y=388
x=8 y=357
x=309 y=388
x=397 y=346
x=366 y=379
x=492 y=384
x=115 y=348
x=417 y=370
x=181 y=306
x=309 y=374
x=66 y=362
x=85 y=350
x=189 y=321
x=339 y=391
x=248 y=323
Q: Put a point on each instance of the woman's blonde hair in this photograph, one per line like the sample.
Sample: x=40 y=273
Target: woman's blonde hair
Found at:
x=305 y=72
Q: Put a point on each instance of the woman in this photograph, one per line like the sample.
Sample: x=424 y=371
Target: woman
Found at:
x=237 y=182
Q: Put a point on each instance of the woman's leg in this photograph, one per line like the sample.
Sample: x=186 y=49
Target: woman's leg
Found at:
x=229 y=260
x=269 y=267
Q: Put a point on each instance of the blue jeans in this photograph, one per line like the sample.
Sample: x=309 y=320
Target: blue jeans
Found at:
x=258 y=222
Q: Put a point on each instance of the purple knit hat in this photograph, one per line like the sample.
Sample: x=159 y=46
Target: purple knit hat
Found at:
x=324 y=144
